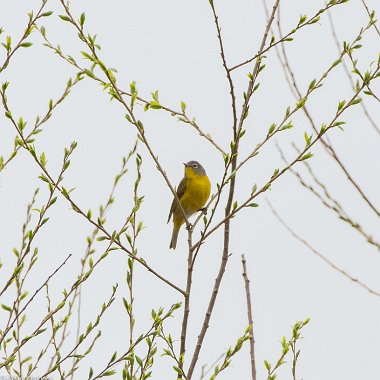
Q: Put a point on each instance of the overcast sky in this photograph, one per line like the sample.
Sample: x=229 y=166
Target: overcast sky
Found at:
x=172 y=46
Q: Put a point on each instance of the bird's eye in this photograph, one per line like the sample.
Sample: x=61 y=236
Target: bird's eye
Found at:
x=195 y=166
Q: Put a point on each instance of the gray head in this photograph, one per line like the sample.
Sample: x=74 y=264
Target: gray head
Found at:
x=196 y=166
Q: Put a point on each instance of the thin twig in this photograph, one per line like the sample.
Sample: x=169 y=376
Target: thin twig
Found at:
x=186 y=310
x=28 y=30
x=103 y=210
x=322 y=257
x=369 y=14
x=181 y=115
x=250 y=318
x=4 y=333
x=228 y=72
x=75 y=207
x=299 y=158
x=312 y=20
x=330 y=150
x=104 y=308
x=40 y=121
x=119 y=97
x=211 y=367
x=334 y=206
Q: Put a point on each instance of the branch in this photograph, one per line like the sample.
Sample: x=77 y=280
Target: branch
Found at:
x=323 y=258
x=228 y=72
x=335 y=206
x=84 y=335
x=288 y=37
x=181 y=115
x=40 y=121
x=113 y=237
x=116 y=94
x=5 y=332
x=302 y=156
x=370 y=14
x=250 y=319
x=27 y=32
x=103 y=210
x=232 y=164
x=330 y=150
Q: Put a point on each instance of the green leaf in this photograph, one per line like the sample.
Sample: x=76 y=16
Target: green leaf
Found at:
x=301 y=103
x=155 y=95
x=43 y=159
x=315 y=20
x=40 y=331
x=307 y=138
x=26 y=44
x=312 y=85
x=306 y=156
x=337 y=62
x=275 y=173
x=341 y=105
x=302 y=19
x=5 y=307
x=287 y=126
x=129 y=118
x=338 y=124
x=61 y=305
x=355 y=101
x=155 y=105
x=87 y=56
x=140 y=125
x=89 y=73
x=44 y=221
x=271 y=129
x=108 y=373
x=46 y=14
x=139 y=361
x=64 y=18
x=113 y=357
x=82 y=19
x=369 y=93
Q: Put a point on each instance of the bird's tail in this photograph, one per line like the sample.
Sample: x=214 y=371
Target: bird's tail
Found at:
x=173 y=242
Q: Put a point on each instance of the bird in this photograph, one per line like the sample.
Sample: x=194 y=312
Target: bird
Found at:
x=192 y=192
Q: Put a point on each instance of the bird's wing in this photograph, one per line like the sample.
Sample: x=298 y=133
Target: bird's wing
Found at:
x=180 y=191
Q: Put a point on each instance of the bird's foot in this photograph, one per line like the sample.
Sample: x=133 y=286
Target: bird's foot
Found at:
x=203 y=210
x=189 y=227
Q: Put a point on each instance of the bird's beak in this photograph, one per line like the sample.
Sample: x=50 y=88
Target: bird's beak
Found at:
x=184 y=163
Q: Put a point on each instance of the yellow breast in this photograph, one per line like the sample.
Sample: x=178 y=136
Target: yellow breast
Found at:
x=197 y=191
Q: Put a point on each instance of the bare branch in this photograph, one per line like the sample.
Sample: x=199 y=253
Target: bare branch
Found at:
x=329 y=202
x=250 y=318
x=322 y=257
x=228 y=72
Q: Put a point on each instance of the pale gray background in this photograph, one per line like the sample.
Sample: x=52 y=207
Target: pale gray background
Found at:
x=172 y=46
